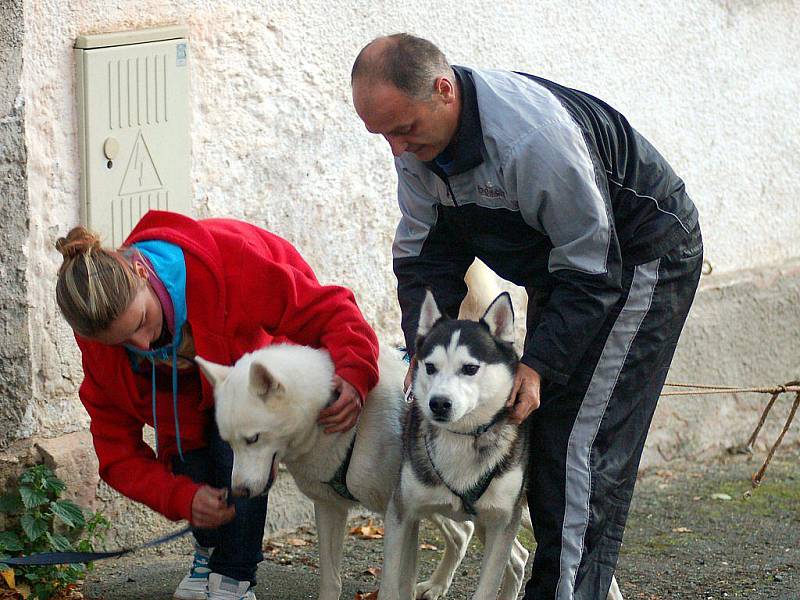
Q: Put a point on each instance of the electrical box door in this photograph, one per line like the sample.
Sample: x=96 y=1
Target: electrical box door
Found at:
x=133 y=119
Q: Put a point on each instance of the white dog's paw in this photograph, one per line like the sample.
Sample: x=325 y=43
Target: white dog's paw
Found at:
x=430 y=590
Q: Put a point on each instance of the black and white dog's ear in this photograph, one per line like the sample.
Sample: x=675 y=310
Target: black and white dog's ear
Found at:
x=215 y=373
x=428 y=314
x=500 y=318
x=262 y=381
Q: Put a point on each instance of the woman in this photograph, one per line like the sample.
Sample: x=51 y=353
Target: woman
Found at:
x=218 y=289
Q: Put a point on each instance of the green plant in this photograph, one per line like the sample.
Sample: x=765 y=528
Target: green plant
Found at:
x=38 y=520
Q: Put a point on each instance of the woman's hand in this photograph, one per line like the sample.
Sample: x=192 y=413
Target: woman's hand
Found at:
x=210 y=508
x=343 y=413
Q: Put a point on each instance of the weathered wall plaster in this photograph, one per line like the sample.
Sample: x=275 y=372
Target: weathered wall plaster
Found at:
x=15 y=355
x=275 y=141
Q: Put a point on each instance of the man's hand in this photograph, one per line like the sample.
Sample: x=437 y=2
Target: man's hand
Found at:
x=342 y=414
x=524 y=397
x=210 y=508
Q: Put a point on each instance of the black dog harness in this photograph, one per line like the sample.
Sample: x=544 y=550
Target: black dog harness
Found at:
x=471 y=496
x=338 y=482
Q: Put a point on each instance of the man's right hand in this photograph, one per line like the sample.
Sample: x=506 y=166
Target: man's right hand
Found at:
x=210 y=508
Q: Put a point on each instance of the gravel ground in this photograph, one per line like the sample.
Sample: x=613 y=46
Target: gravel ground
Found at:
x=695 y=531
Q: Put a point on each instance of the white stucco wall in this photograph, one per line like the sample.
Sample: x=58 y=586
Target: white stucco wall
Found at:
x=713 y=84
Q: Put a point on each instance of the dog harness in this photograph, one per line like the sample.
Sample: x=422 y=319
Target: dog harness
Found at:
x=471 y=496
x=338 y=482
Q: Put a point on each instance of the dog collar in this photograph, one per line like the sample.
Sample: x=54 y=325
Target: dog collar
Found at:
x=481 y=429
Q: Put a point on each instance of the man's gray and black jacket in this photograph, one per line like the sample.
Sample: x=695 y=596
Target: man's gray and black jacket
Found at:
x=554 y=191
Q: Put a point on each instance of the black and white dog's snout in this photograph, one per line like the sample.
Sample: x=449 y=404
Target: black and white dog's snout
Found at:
x=441 y=407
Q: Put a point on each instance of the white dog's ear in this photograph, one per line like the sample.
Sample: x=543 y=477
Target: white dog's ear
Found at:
x=428 y=314
x=215 y=373
x=500 y=318
x=262 y=381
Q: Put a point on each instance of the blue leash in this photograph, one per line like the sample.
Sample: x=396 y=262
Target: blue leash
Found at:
x=64 y=558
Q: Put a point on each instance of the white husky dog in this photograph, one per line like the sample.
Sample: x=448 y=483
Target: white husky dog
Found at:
x=266 y=409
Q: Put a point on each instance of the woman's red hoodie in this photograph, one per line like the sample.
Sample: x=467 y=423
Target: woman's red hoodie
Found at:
x=245 y=288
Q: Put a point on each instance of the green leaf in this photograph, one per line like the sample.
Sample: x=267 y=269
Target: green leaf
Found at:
x=34 y=528
x=10 y=503
x=68 y=512
x=10 y=542
x=54 y=485
x=58 y=542
x=35 y=476
x=32 y=498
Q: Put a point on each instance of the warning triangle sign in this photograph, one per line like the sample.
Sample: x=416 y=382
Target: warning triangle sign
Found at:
x=141 y=174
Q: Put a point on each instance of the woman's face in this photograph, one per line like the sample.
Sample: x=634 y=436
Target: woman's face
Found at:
x=139 y=325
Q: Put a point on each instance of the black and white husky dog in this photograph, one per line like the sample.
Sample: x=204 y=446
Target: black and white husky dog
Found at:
x=462 y=458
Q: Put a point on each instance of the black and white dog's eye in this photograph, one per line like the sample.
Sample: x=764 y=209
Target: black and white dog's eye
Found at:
x=430 y=369
x=470 y=369
x=251 y=440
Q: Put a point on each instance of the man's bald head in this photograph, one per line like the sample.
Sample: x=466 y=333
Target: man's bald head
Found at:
x=409 y=63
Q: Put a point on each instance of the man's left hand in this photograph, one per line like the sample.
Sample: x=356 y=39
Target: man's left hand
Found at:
x=524 y=397
x=343 y=413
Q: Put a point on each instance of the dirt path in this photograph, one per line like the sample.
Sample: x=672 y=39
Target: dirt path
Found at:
x=693 y=532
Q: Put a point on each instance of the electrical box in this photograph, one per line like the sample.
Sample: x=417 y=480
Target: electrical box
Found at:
x=133 y=127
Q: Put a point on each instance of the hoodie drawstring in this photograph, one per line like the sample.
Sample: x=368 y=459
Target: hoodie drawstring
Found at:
x=155 y=417
x=175 y=398
x=152 y=359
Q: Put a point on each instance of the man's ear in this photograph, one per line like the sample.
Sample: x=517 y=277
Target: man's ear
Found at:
x=262 y=381
x=215 y=373
x=500 y=318
x=444 y=87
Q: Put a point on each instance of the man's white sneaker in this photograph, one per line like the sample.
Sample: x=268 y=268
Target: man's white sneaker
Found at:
x=194 y=586
x=227 y=588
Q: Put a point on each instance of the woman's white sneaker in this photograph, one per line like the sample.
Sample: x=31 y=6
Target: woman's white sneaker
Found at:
x=227 y=588
x=194 y=586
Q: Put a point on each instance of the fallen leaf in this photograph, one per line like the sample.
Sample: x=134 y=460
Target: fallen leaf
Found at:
x=367 y=532
x=366 y=596
x=68 y=593
x=8 y=577
x=297 y=542
x=374 y=571
x=427 y=547
x=681 y=530
x=721 y=497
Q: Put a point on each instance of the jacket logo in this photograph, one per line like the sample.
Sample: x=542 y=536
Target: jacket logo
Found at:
x=490 y=191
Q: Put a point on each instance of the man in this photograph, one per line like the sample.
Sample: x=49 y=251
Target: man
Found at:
x=555 y=191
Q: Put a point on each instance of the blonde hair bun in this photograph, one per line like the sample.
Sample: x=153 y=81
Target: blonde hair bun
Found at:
x=79 y=241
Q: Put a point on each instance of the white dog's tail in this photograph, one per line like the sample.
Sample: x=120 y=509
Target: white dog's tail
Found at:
x=482 y=288
x=526 y=518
